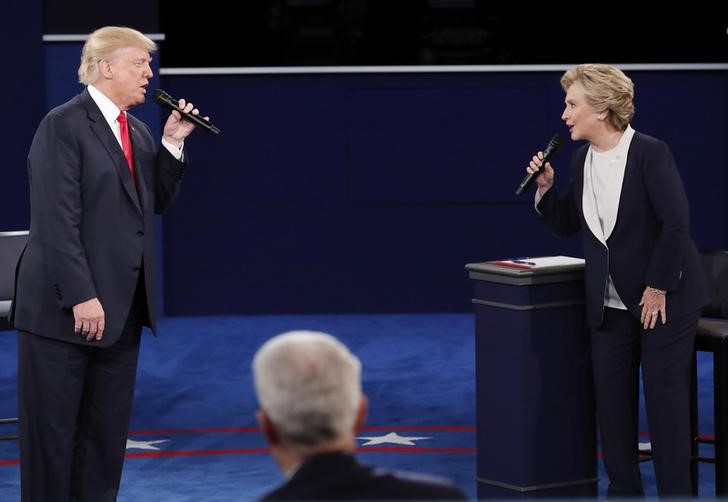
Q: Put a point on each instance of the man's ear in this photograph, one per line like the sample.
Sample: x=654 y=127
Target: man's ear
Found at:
x=105 y=69
x=267 y=428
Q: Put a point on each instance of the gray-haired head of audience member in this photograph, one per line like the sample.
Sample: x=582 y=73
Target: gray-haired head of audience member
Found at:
x=309 y=392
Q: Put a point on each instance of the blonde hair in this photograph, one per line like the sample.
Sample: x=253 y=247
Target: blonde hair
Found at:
x=103 y=44
x=605 y=88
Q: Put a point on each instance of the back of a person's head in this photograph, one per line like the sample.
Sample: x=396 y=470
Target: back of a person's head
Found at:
x=309 y=385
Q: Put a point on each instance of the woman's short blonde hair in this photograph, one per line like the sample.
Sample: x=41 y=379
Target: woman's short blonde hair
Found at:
x=605 y=88
x=103 y=43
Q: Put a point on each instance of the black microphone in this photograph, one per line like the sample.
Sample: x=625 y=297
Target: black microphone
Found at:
x=164 y=99
x=553 y=145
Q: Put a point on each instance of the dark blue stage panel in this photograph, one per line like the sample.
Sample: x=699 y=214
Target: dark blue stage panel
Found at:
x=23 y=101
x=347 y=194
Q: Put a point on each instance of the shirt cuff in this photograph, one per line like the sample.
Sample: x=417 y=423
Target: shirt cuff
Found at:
x=175 y=151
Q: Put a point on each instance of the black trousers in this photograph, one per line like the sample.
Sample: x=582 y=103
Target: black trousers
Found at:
x=74 y=404
x=618 y=348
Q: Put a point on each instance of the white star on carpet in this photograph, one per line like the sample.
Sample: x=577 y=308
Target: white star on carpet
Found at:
x=391 y=438
x=143 y=445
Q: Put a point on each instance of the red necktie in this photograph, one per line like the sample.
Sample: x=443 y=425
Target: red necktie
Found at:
x=126 y=142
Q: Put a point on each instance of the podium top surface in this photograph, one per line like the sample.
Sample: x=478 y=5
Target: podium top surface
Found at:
x=525 y=271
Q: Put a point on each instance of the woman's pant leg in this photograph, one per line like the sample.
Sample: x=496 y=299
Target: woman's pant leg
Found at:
x=616 y=359
x=667 y=353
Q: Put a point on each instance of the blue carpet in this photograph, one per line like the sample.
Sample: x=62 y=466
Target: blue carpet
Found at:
x=193 y=423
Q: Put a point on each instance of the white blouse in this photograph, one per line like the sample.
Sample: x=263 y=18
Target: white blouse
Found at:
x=603 y=178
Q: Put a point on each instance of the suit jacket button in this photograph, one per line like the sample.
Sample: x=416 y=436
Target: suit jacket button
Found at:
x=140 y=233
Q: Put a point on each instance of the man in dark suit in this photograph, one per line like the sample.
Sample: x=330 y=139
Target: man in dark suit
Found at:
x=85 y=282
x=311 y=404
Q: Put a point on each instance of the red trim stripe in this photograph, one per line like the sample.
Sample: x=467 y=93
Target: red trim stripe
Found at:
x=193 y=431
x=393 y=449
x=458 y=428
x=380 y=449
x=455 y=428
x=415 y=449
x=247 y=451
x=195 y=453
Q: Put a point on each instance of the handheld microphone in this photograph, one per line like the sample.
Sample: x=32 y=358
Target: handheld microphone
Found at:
x=164 y=99
x=553 y=145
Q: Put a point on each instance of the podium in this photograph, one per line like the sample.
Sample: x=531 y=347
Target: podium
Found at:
x=534 y=400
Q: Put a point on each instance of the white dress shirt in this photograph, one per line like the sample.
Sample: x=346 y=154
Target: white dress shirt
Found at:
x=111 y=113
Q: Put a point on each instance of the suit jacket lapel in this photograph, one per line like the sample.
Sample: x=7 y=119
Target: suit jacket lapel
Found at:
x=589 y=203
x=102 y=130
x=136 y=145
x=582 y=182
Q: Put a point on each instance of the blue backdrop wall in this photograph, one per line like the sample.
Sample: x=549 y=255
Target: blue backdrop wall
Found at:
x=361 y=193
x=22 y=88
x=370 y=192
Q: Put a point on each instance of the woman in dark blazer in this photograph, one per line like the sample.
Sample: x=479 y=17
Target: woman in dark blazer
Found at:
x=644 y=282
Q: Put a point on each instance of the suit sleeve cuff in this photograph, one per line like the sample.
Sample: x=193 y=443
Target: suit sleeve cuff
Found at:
x=175 y=151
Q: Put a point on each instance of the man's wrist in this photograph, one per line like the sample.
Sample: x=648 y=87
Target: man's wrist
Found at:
x=656 y=290
x=173 y=142
x=174 y=150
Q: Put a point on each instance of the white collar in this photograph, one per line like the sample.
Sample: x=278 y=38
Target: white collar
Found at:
x=589 y=203
x=108 y=109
